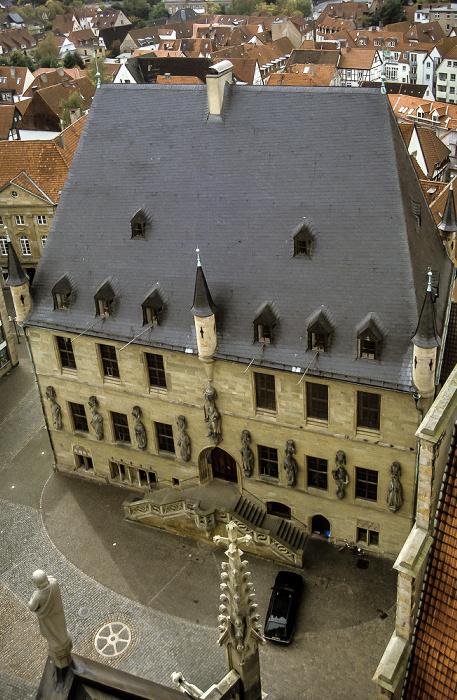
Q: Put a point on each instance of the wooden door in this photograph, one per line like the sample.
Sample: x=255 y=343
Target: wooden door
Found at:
x=224 y=466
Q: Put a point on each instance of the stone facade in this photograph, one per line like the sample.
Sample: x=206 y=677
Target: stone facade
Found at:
x=8 y=353
x=186 y=380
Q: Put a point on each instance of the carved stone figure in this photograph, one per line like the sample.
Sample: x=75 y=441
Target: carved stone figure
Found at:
x=290 y=464
x=340 y=474
x=55 y=407
x=184 y=439
x=212 y=415
x=46 y=603
x=96 y=421
x=140 y=430
x=395 y=490
x=247 y=455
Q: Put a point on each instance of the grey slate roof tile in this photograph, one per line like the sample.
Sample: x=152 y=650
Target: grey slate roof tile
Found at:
x=237 y=188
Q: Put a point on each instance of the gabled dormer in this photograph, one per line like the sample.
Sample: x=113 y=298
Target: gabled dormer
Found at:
x=369 y=338
x=153 y=308
x=63 y=293
x=265 y=324
x=139 y=223
x=303 y=241
x=320 y=330
x=105 y=299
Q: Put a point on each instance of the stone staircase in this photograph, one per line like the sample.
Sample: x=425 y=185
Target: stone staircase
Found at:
x=211 y=504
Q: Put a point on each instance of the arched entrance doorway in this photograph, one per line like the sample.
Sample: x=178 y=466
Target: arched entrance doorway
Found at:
x=222 y=464
x=320 y=526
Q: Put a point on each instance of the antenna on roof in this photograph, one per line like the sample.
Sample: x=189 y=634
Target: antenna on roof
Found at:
x=197 y=250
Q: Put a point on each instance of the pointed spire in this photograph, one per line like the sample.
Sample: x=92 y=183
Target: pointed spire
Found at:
x=448 y=223
x=383 y=84
x=97 y=74
x=16 y=275
x=426 y=335
x=203 y=305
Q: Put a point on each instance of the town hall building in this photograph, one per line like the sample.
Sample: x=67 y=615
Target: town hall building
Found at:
x=240 y=311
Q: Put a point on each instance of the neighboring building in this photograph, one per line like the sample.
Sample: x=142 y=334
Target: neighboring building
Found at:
x=428 y=150
x=32 y=175
x=15 y=79
x=17 y=40
x=311 y=75
x=8 y=352
x=9 y=119
x=286 y=367
x=358 y=65
x=87 y=44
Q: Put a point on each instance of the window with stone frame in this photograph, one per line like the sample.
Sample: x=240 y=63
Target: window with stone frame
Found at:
x=67 y=358
x=19 y=220
x=268 y=461
x=265 y=391
x=3 y=248
x=368 y=410
x=317 y=472
x=317 y=401
x=303 y=241
x=41 y=220
x=366 y=484
x=109 y=361
x=25 y=246
x=84 y=462
x=79 y=418
x=120 y=427
x=165 y=440
x=156 y=370
x=368 y=537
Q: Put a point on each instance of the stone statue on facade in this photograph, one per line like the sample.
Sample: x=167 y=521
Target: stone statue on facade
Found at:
x=212 y=415
x=140 y=430
x=290 y=464
x=55 y=407
x=340 y=474
x=96 y=421
x=247 y=455
x=184 y=439
x=46 y=603
x=395 y=490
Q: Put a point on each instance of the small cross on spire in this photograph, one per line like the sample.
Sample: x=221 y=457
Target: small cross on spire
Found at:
x=429 y=284
x=197 y=250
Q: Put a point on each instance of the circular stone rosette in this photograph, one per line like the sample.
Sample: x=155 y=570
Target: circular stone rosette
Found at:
x=113 y=639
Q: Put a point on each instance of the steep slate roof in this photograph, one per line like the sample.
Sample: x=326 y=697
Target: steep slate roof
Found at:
x=432 y=671
x=262 y=186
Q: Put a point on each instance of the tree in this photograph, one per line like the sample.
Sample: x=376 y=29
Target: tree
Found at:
x=391 y=12
x=115 y=49
x=47 y=52
x=73 y=101
x=71 y=60
x=136 y=9
x=159 y=10
x=305 y=7
x=17 y=58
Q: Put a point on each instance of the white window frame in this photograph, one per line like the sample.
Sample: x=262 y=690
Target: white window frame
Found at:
x=25 y=246
x=3 y=248
x=19 y=220
x=41 y=219
x=43 y=241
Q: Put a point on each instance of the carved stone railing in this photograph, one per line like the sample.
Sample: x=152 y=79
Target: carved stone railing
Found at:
x=206 y=520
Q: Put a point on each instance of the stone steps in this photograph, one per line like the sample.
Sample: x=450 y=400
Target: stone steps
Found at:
x=249 y=511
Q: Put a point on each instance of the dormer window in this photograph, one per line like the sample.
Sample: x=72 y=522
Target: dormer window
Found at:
x=61 y=293
x=138 y=224
x=319 y=332
x=369 y=339
x=153 y=309
x=264 y=324
x=104 y=300
x=303 y=240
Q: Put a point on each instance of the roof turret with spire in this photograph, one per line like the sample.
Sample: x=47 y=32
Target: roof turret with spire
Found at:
x=448 y=223
x=16 y=275
x=203 y=305
x=426 y=335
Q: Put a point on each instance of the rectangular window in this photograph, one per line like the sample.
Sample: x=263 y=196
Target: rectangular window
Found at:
x=109 y=361
x=1 y=220
x=25 y=246
x=120 y=427
x=67 y=358
x=317 y=401
x=367 y=347
x=3 y=250
x=43 y=241
x=120 y=471
x=452 y=90
x=165 y=440
x=317 y=472
x=369 y=537
x=268 y=461
x=366 y=484
x=78 y=414
x=19 y=220
x=103 y=307
x=265 y=394
x=156 y=370
x=368 y=410
x=41 y=219
x=84 y=462
x=452 y=78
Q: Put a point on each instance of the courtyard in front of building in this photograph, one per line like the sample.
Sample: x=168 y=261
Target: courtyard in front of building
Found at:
x=164 y=589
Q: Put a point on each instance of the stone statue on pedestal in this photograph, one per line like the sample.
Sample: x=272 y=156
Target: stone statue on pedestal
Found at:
x=184 y=439
x=212 y=415
x=340 y=474
x=46 y=603
x=395 y=490
x=55 y=407
x=290 y=464
x=247 y=455
x=97 y=420
x=140 y=430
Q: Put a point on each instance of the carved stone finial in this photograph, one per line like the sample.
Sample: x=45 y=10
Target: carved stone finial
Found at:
x=96 y=421
x=140 y=430
x=247 y=455
x=55 y=407
x=46 y=603
x=395 y=490
x=340 y=474
x=184 y=686
x=290 y=463
x=212 y=415
x=184 y=439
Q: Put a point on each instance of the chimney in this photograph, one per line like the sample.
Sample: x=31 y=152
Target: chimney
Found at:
x=75 y=114
x=60 y=71
x=167 y=76
x=219 y=74
x=13 y=71
x=44 y=78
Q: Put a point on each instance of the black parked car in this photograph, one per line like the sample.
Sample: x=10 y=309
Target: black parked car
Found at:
x=280 y=620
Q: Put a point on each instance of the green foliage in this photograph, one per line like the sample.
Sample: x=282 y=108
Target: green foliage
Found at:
x=136 y=9
x=17 y=58
x=280 y=8
x=115 y=49
x=74 y=101
x=391 y=12
x=46 y=51
x=305 y=7
x=159 y=10
x=92 y=72
x=71 y=60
